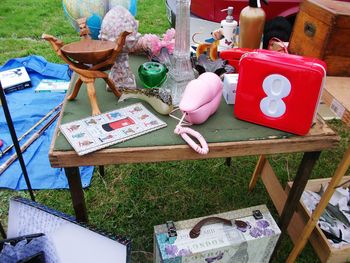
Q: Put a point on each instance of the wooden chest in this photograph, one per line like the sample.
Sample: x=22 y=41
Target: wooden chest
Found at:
x=322 y=30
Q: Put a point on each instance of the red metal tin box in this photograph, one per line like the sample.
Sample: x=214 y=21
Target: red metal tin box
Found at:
x=277 y=90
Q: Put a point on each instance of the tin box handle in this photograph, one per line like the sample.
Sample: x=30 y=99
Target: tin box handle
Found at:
x=309 y=29
x=196 y=230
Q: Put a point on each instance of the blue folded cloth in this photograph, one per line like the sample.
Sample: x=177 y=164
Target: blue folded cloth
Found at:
x=27 y=107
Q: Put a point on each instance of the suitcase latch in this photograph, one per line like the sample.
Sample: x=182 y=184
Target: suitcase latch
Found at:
x=172 y=235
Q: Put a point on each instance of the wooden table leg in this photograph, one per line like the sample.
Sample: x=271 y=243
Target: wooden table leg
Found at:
x=228 y=161
x=258 y=168
x=101 y=169
x=77 y=194
x=303 y=174
x=336 y=178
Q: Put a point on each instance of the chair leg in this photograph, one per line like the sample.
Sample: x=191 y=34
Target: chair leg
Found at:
x=258 y=168
x=76 y=89
x=113 y=88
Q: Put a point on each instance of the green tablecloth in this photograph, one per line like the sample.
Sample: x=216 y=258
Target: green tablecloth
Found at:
x=221 y=127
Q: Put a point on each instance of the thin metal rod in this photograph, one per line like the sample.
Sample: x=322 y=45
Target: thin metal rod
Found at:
x=25 y=146
x=15 y=140
x=7 y=149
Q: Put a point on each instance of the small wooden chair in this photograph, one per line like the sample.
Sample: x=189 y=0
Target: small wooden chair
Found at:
x=89 y=58
x=343 y=166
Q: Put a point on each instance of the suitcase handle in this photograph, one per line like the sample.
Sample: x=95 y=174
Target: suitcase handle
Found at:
x=196 y=230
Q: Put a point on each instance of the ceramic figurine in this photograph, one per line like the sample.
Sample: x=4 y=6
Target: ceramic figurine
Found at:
x=119 y=19
x=116 y=21
x=159 y=99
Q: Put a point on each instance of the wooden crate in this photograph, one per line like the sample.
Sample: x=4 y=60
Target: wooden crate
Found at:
x=336 y=95
x=322 y=30
x=318 y=240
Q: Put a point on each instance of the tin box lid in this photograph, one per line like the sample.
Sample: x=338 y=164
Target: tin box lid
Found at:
x=68 y=240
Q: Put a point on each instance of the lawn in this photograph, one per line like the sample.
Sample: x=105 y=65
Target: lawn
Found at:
x=131 y=199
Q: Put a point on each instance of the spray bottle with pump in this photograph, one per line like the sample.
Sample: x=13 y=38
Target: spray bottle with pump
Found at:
x=251 y=25
x=229 y=26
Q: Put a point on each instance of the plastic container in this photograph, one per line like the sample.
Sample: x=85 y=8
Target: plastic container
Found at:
x=251 y=25
x=229 y=27
x=280 y=91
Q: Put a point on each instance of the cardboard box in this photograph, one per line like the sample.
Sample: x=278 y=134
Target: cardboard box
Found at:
x=218 y=241
x=336 y=95
x=15 y=79
x=325 y=251
x=230 y=86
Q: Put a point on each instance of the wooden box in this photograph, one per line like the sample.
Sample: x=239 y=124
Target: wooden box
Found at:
x=318 y=240
x=336 y=95
x=322 y=30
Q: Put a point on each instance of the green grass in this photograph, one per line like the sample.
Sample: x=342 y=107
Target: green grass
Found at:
x=131 y=199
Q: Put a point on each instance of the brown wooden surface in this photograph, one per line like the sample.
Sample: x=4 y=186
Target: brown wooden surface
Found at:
x=301 y=44
x=89 y=51
x=320 y=137
x=183 y=152
x=257 y=172
x=331 y=41
x=329 y=11
x=77 y=193
x=89 y=58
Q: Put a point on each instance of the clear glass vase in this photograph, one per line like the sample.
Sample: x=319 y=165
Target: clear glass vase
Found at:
x=181 y=72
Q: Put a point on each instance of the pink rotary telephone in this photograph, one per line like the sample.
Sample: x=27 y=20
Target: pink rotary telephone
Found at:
x=200 y=100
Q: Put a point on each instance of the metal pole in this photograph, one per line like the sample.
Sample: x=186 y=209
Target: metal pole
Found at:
x=7 y=149
x=15 y=141
x=24 y=147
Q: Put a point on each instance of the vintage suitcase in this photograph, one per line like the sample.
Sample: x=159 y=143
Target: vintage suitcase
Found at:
x=322 y=30
x=280 y=91
x=245 y=235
